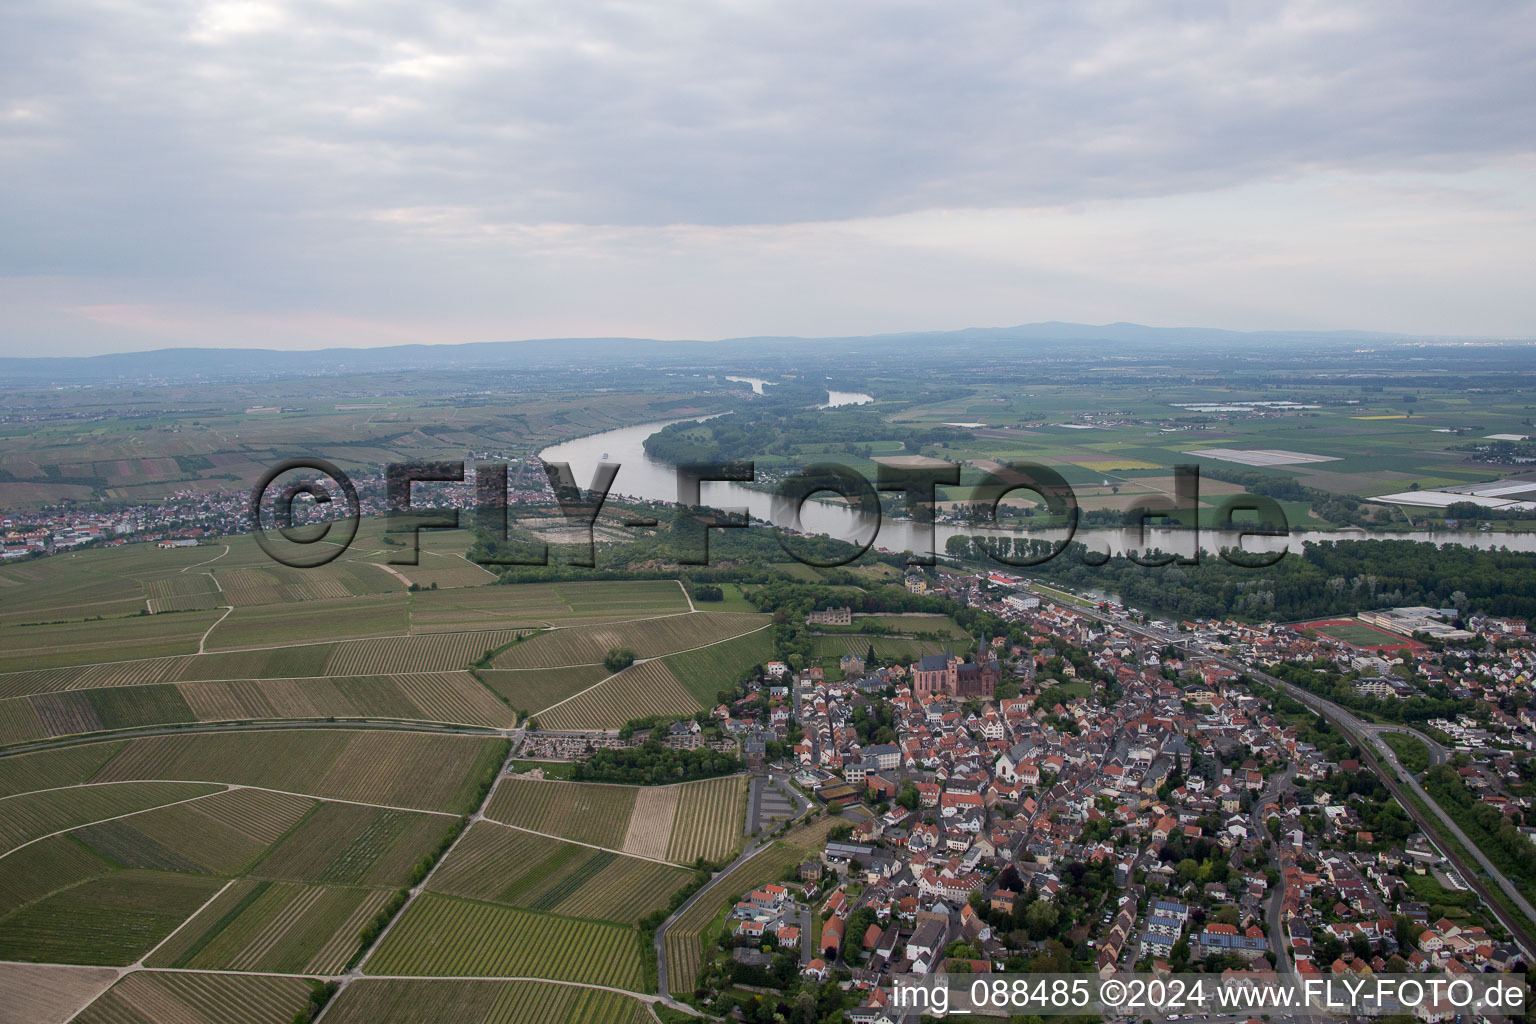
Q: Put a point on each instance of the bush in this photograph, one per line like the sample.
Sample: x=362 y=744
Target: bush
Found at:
x=618 y=658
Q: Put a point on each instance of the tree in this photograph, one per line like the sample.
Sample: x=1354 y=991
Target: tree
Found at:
x=1041 y=919
x=618 y=659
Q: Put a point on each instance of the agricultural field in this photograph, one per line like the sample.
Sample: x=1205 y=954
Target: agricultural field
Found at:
x=352 y=844
x=442 y=570
x=643 y=689
x=283 y=927
x=30 y=816
x=44 y=867
x=435 y=652
x=709 y=820
x=444 y=935
x=416 y=771
x=677 y=823
x=586 y=812
x=81 y=643
x=496 y=864
x=942 y=625
x=78 y=712
x=272 y=625
x=50 y=769
x=393 y=1001
x=156 y=997
x=449 y=697
x=263 y=582
x=533 y=689
x=49 y=994
x=141 y=672
x=707 y=671
x=112 y=920
x=183 y=592
x=543 y=604
x=648 y=638
x=264 y=663
x=889 y=649
x=48 y=591
x=686 y=938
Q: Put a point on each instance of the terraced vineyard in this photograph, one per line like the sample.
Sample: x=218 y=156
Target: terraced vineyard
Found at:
x=707 y=671
x=49 y=993
x=395 y=1001
x=452 y=936
x=503 y=865
x=84 y=677
x=533 y=689
x=279 y=585
x=183 y=592
x=268 y=625
x=429 y=652
x=268 y=852
x=24 y=647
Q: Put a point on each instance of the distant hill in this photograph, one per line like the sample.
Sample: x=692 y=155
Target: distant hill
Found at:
x=182 y=363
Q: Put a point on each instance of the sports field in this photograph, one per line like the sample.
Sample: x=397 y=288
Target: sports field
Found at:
x=1359 y=635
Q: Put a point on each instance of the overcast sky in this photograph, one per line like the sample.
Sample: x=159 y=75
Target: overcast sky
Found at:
x=375 y=172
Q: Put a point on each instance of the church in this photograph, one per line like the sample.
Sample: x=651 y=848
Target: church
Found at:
x=947 y=674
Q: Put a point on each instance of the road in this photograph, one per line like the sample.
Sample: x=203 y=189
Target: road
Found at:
x=753 y=847
x=1397 y=779
x=1280 y=955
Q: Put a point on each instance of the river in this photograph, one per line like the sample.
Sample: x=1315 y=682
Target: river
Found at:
x=643 y=477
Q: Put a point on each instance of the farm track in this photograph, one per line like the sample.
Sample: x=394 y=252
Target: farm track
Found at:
x=230 y=787
x=641 y=661
x=578 y=842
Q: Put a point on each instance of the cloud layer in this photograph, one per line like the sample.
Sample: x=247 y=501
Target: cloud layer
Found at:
x=359 y=173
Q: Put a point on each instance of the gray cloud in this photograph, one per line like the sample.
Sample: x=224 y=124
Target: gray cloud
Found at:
x=244 y=147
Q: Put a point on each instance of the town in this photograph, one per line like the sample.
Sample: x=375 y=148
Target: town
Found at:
x=1094 y=791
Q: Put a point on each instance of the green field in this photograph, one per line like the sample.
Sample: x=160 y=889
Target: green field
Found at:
x=585 y=812
x=412 y=770
x=111 y=920
x=284 y=927
x=482 y=1002
x=354 y=845
x=452 y=936
x=155 y=997
x=648 y=638
x=83 y=643
x=30 y=816
x=502 y=865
